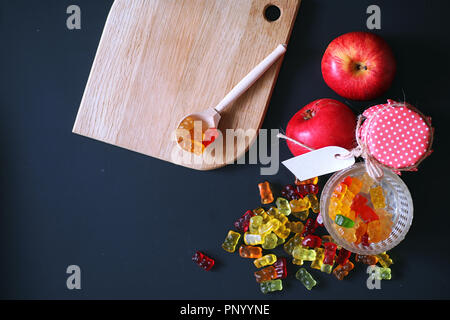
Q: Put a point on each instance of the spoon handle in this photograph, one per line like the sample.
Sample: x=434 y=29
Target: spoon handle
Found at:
x=251 y=78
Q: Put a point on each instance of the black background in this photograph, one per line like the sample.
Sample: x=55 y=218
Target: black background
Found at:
x=132 y=222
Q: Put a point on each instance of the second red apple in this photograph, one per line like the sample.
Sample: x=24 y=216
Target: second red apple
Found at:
x=322 y=123
x=358 y=66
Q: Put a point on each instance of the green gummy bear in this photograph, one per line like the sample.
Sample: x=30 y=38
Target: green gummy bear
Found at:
x=271 y=286
x=383 y=274
x=304 y=254
x=231 y=241
x=305 y=278
x=283 y=206
x=327 y=268
x=280 y=241
x=343 y=221
x=270 y=241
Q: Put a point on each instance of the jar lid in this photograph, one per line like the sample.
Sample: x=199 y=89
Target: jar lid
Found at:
x=397 y=135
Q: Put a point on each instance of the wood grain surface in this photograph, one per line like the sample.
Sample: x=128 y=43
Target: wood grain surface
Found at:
x=159 y=60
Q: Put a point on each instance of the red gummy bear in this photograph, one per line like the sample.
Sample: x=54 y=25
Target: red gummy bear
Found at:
x=343 y=257
x=289 y=192
x=203 y=261
x=313 y=188
x=362 y=210
x=310 y=227
x=330 y=252
x=312 y=241
x=365 y=240
x=302 y=190
x=347 y=181
x=243 y=222
x=358 y=201
x=367 y=214
x=280 y=268
x=210 y=136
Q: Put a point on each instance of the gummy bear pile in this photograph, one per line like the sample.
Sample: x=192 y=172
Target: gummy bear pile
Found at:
x=356 y=219
x=294 y=223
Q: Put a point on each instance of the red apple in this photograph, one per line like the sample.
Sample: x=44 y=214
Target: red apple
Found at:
x=358 y=66
x=322 y=123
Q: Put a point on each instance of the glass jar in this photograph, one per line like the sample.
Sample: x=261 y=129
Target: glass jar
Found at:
x=398 y=202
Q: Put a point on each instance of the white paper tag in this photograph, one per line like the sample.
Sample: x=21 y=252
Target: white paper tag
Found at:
x=318 y=162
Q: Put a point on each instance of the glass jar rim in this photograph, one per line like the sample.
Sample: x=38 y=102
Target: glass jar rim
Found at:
x=399 y=229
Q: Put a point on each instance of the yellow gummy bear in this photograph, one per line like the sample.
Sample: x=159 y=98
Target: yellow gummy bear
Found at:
x=339 y=191
x=334 y=208
x=270 y=226
x=261 y=212
x=380 y=229
x=377 y=197
x=355 y=186
x=255 y=223
x=295 y=226
x=348 y=234
x=253 y=239
x=190 y=134
x=344 y=210
x=367 y=182
x=273 y=211
x=282 y=232
x=347 y=199
x=300 y=204
x=317 y=263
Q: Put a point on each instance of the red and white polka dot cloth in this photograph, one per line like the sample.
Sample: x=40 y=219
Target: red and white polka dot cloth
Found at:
x=396 y=135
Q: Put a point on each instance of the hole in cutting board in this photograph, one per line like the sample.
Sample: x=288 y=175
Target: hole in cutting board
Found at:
x=272 y=13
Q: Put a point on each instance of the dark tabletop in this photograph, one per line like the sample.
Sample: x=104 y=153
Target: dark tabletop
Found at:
x=132 y=222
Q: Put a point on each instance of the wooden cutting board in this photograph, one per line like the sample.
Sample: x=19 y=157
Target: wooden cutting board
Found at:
x=159 y=60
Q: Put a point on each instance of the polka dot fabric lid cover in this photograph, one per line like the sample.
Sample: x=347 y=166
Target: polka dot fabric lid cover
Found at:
x=396 y=135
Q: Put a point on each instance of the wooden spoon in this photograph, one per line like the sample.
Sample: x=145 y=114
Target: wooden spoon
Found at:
x=211 y=116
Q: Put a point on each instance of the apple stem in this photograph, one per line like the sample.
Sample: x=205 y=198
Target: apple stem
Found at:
x=361 y=66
